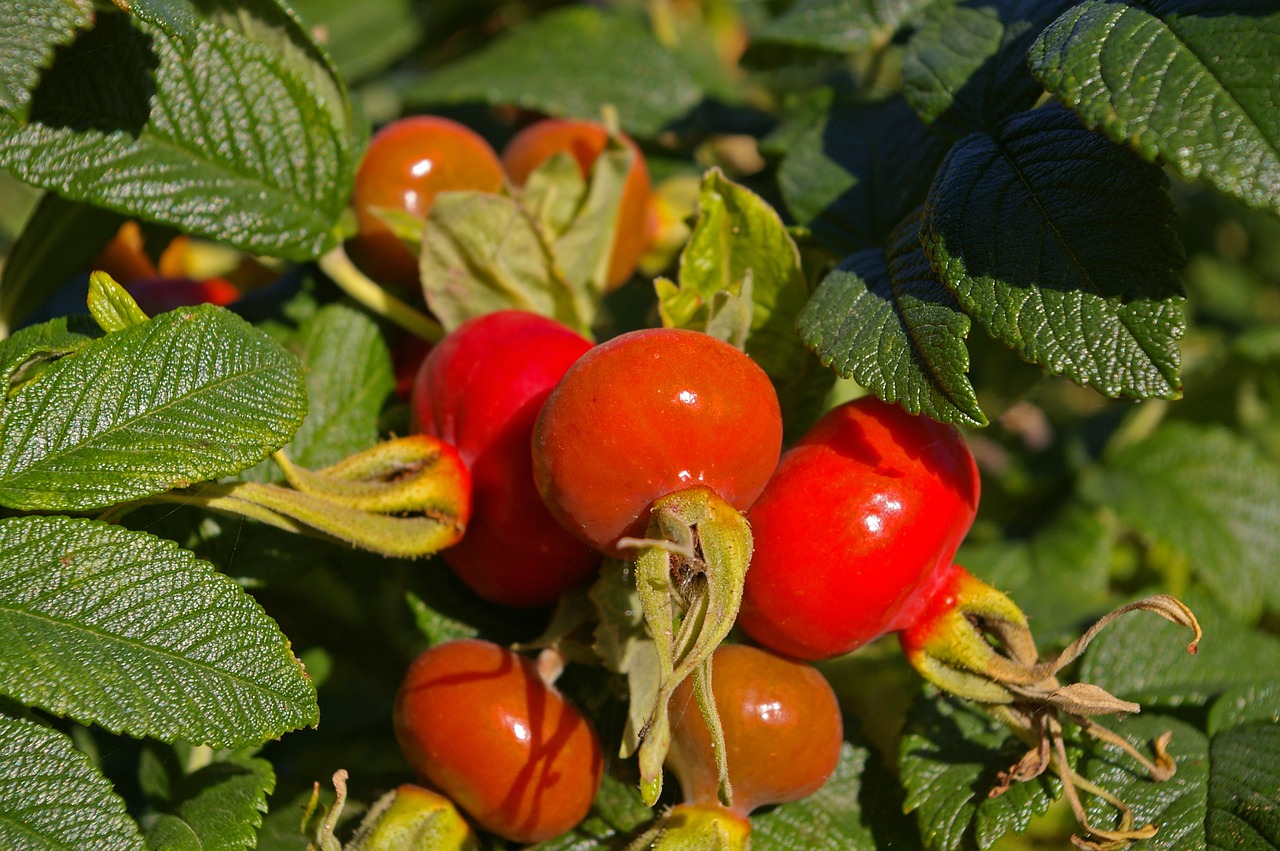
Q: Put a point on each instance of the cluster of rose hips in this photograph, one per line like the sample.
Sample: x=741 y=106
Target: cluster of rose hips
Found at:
x=662 y=448
x=571 y=446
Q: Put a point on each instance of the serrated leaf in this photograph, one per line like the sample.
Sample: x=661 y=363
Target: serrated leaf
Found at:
x=1191 y=83
x=1255 y=703
x=1061 y=245
x=965 y=68
x=950 y=756
x=175 y=18
x=1176 y=806
x=840 y=26
x=349 y=376
x=51 y=795
x=194 y=394
x=831 y=819
x=582 y=251
x=30 y=32
x=481 y=252
x=363 y=38
x=884 y=319
x=109 y=626
x=855 y=171
x=245 y=138
x=1144 y=658
x=1209 y=496
x=1244 y=786
x=220 y=806
x=572 y=62
x=738 y=235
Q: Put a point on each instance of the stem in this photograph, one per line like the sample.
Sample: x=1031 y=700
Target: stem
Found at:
x=360 y=287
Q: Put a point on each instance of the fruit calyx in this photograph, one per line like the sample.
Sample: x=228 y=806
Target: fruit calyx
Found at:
x=696 y=827
x=690 y=572
x=406 y=497
x=972 y=641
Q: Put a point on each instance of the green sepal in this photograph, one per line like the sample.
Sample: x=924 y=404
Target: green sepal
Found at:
x=689 y=576
x=111 y=305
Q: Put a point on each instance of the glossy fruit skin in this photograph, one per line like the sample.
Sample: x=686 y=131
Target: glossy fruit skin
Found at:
x=406 y=164
x=475 y=721
x=782 y=730
x=856 y=529
x=586 y=140
x=647 y=414
x=481 y=390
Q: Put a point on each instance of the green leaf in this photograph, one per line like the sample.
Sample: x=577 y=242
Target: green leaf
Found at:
x=435 y=626
x=831 y=819
x=738 y=235
x=30 y=33
x=857 y=170
x=25 y=355
x=1186 y=82
x=349 y=376
x=1244 y=785
x=1176 y=806
x=481 y=252
x=59 y=241
x=583 y=249
x=245 y=138
x=363 y=38
x=950 y=755
x=175 y=18
x=109 y=626
x=840 y=26
x=1208 y=496
x=1061 y=245
x=111 y=306
x=1144 y=658
x=616 y=812
x=572 y=62
x=194 y=394
x=219 y=806
x=1255 y=703
x=965 y=68
x=51 y=795
x=884 y=319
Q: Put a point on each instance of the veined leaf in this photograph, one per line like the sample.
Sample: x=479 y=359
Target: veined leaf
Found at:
x=1209 y=496
x=888 y=323
x=51 y=796
x=572 y=62
x=854 y=173
x=965 y=68
x=194 y=394
x=950 y=756
x=1062 y=246
x=482 y=252
x=30 y=32
x=118 y=628
x=840 y=26
x=831 y=819
x=245 y=137
x=219 y=806
x=349 y=375
x=1188 y=82
x=1177 y=806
